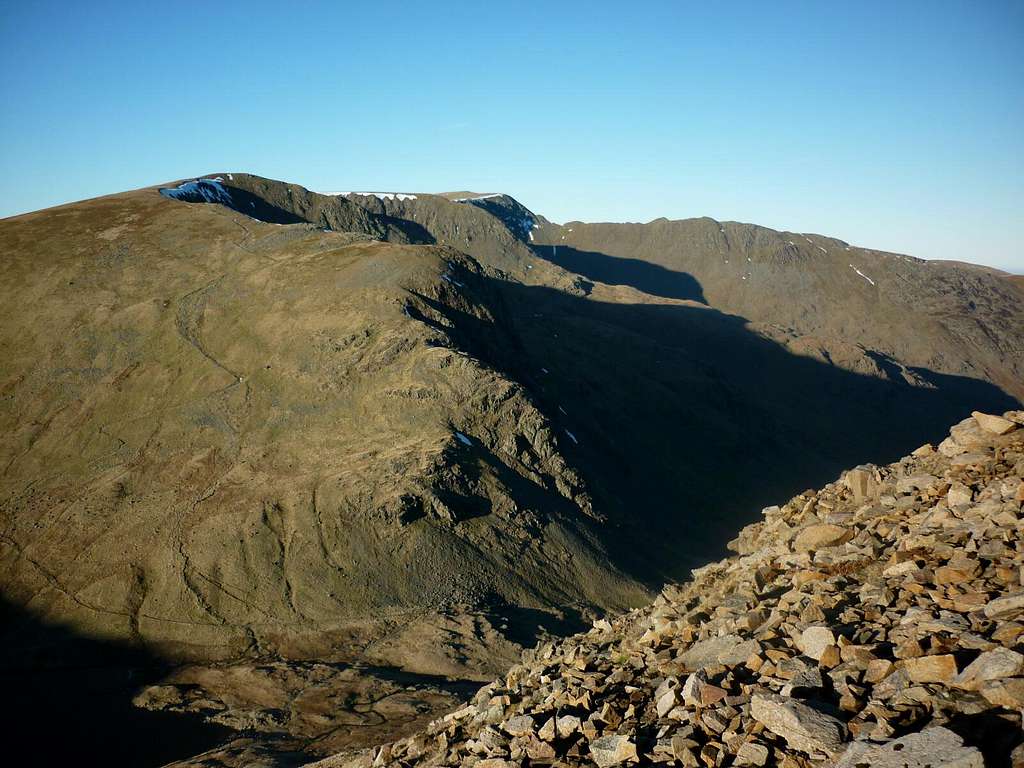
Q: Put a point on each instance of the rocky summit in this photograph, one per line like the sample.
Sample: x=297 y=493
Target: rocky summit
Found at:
x=876 y=622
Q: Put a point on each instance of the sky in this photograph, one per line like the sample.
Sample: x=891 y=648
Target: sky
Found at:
x=892 y=125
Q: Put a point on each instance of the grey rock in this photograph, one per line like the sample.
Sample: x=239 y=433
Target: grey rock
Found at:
x=931 y=748
x=803 y=727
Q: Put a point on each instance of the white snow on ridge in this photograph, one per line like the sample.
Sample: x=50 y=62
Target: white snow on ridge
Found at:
x=478 y=197
x=207 y=190
x=378 y=195
x=862 y=274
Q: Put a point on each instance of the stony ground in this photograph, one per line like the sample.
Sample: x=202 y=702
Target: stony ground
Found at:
x=875 y=622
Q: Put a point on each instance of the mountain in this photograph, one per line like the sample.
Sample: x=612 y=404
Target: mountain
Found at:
x=874 y=622
x=250 y=424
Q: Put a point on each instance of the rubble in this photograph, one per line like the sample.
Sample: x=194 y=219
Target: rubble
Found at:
x=860 y=624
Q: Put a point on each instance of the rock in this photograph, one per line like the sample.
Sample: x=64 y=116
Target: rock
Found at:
x=996 y=664
x=1005 y=607
x=958 y=494
x=820 y=536
x=567 y=725
x=861 y=481
x=935 y=747
x=683 y=751
x=752 y=753
x=919 y=481
x=957 y=572
x=967 y=459
x=931 y=669
x=997 y=425
x=814 y=641
x=612 y=750
x=666 y=702
x=518 y=726
x=803 y=728
x=1005 y=693
x=728 y=650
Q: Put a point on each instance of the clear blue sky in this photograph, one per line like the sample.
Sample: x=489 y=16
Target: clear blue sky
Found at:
x=892 y=125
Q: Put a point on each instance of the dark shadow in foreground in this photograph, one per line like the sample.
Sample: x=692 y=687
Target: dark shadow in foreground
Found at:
x=67 y=700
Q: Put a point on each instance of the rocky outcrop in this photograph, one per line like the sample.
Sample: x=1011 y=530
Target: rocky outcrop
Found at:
x=877 y=621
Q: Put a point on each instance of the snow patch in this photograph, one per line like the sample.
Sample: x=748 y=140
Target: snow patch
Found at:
x=478 y=197
x=451 y=280
x=570 y=434
x=200 y=190
x=463 y=439
x=862 y=274
x=378 y=195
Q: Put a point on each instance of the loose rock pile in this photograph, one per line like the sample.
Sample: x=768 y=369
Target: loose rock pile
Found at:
x=875 y=622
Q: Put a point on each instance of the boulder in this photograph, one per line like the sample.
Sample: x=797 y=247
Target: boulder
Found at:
x=936 y=747
x=814 y=640
x=997 y=664
x=612 y=750
x=821 y=536
x=997 y=425
x=931 y=669
x=803 y=727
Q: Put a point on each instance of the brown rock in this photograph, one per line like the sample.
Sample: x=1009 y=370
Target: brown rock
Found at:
x=820 y=536
x=1006 y=607
x=997 y=425
x=931 y=669
x=814 y=640
x=997 y=664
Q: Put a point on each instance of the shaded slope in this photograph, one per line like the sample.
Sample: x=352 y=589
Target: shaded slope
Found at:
x=947 y=317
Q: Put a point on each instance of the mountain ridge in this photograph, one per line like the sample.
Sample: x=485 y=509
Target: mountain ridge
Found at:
x=250 y=423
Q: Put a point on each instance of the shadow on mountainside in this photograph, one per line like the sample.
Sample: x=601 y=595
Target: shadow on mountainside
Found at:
x=684 y=423
x=67 y=699
x=642 y=275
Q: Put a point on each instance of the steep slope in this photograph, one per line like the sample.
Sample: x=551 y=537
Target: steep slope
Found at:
x=731 y=379
x=230 y=437
x=877 y=621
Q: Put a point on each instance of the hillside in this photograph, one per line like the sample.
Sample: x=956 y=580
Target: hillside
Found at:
x=335 y=442
x=876 y=621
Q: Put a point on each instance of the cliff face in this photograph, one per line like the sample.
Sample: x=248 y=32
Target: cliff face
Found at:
x=876 y=621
